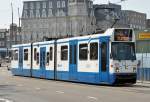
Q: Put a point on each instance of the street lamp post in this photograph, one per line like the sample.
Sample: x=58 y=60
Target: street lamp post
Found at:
x=11 y=33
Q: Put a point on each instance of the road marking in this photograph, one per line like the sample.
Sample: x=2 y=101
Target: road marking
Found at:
x=5 y=100
x=93 y=98
x=60 y=92
x=38 y=88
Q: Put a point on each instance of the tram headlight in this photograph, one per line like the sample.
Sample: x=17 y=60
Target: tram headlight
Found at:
x=117 y=69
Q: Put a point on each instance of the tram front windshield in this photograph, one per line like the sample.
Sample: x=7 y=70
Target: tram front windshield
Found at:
x=123 y=51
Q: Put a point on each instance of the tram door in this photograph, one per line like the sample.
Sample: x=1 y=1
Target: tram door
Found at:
x=104 y=61
x=73 y=60
x=42 y=62
x=20 y=60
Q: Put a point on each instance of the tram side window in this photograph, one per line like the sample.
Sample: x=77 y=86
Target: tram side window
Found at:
x=83 y=51
x=25 y=54
x=35 y=55
x=51 y=53
x=16 y=55
x=93 y=51
x=47 y=58
x=64 y=53
x=104 y=56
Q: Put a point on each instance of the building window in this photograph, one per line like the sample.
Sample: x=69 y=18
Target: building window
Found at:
x=80 y=0
x=25 y=14
x=58 y=4
x=83 y=51
x=51 y=53
x=37 y=13
x=71 y=1
x=90 y=5
x=31 y=6
x=61 y=13
x=50 y=5
x=94 y=51
x=25 y=6
x=43 y=13
x=63 y=4
x=2 y=35
x=16 y=55
x=50 y=14
x=38 y=5
x=31 y=14
x=44 y=4
x=25 y=54
x=64 y=53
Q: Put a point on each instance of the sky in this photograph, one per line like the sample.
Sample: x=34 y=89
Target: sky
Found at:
x=5 y=8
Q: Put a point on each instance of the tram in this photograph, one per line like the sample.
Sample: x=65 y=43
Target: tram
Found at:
x=106 y=58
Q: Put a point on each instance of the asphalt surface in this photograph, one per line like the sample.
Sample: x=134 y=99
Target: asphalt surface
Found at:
x=23 y=89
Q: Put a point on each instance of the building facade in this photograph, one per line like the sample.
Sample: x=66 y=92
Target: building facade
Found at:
x=143 y=54
x=106 y=14
x=135 y=19
x=56 y=18
x=3 y=43
x=148 y=23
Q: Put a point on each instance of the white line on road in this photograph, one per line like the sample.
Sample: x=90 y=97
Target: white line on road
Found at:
x=60 y=92
x=5 y=100
x=93 y=98
x=38 y=88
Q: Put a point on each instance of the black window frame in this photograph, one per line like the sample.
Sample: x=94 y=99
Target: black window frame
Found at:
x=35 y=54
x=82 y=52
x=37 y=59
x=26 y=54
x=104 y=57
x=51 y=53
x=64 y=53
x=94 y=51
x=47 y=57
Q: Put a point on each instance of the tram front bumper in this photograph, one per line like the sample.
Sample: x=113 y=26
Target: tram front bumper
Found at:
x=123 y=78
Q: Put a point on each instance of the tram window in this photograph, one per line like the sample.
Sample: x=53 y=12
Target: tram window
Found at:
x=16 y=55
x=25 y=54
x=70 y=55
x=47 y=58
x=35 y=50
x=83 y=51
x=94 y=51
x=51 y=53
x=75 y=54
x=103 y=56
x=64 y=52
x=37 y=55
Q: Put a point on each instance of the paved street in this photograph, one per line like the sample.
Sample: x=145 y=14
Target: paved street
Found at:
x=22 y=89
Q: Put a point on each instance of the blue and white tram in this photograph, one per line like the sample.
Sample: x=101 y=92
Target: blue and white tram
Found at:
x=107 y=58
x=21 y=60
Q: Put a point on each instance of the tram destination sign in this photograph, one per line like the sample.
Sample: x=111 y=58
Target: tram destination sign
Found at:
x=144 y=36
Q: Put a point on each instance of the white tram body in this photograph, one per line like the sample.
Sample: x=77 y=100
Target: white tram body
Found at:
x=107 y=58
